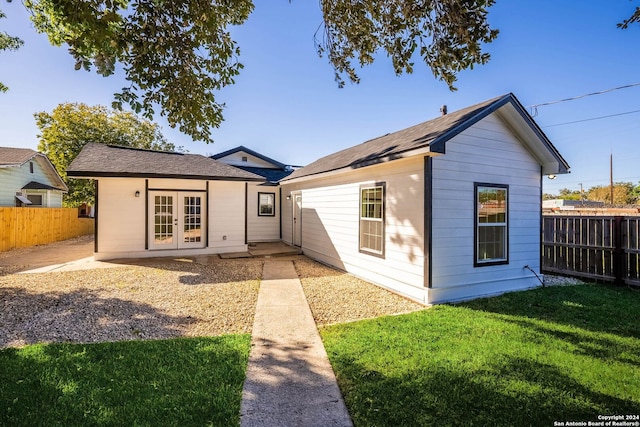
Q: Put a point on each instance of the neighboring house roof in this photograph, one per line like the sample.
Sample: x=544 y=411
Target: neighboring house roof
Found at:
x=242 y=148
x=34 y=185
x=12 y=157
x=431 y=136
x=101 y=160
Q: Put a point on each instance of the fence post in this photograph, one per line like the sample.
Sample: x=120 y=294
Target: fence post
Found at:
x=618 y=252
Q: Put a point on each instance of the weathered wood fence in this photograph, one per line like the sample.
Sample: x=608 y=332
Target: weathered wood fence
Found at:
x=605 y=248
x=22 y=227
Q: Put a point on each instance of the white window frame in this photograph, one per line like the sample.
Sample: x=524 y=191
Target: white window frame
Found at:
x=480 y=258
x=379 y=219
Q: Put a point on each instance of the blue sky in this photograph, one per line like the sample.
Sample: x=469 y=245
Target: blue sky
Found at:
x=286 y=105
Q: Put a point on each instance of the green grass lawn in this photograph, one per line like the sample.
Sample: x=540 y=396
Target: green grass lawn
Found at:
x=178 y=382
x=522 y=359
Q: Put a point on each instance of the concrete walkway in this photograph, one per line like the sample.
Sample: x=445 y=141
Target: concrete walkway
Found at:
x=289 y=379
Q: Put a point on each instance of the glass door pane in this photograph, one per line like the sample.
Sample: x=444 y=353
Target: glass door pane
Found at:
x=192 y=219
x=163 y=220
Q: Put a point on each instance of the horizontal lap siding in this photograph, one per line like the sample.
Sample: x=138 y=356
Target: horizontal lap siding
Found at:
x=121 y=215
x=262 y=228
x=13 y=179
x=330 y=223
x=487 y=152
x=226 y=215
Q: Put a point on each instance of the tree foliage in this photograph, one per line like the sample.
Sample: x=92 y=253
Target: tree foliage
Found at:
x=70 y=126
x=623 y=193
x=178 y=54
x=448 y=35
x=7 y=42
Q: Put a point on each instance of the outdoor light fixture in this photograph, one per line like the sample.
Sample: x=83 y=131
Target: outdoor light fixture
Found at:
x=289 y=197
x=137 y=194
x=552 y=176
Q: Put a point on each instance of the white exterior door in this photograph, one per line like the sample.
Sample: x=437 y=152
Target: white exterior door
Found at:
x=297 y=219
x=177 y=219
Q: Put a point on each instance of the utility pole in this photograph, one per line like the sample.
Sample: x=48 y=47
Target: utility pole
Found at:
x=611 y=176
x=581 y=195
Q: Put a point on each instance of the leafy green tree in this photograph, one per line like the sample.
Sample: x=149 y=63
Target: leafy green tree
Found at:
x=568 y=194
x=70 y=126
x=635 y=193
x=7 y=42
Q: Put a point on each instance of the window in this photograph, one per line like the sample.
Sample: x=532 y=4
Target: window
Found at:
x=31 y=167
x=372 y=219
x=492 y=220
x=35 y=199
x=266 y=204
x=245 y=159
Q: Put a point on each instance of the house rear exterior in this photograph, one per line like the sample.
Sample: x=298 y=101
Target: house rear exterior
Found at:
x=445 y=210
x=27 y=178
x=151 y=203
x=263 y=198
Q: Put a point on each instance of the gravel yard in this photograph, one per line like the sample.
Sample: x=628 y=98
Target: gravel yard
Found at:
x=130 y=302
x=337 y=297
x=168 y=298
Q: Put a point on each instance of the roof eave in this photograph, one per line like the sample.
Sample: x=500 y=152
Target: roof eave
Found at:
x=95 y=175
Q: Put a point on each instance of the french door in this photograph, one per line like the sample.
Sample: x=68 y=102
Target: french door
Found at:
x=177 y=219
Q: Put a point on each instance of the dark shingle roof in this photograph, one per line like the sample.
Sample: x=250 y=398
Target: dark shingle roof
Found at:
x=432 y=134
x=34 y=185
x=271 y=175
x=100 y=160
x=15 y=156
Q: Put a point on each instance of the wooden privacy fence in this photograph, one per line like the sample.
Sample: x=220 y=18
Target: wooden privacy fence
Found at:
x=22 y=227
x=603 y=248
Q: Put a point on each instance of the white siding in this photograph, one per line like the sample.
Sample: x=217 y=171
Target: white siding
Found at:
x=262 y=228
x=226 y=216
x=330 y=223
x=121 y=217
x=14 y=178
x=488 y=152
x=235 y=159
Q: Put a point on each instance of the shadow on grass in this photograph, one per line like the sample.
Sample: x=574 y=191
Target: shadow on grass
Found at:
x=185 y=382
x=596 y=308
x=30 y=318
x=514 y=392
x=522 y=359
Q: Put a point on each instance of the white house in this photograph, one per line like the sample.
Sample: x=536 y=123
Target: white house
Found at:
x=264 y=201
x=445 y=210
x=27 y=178
x=448 y=209
x=152 y=203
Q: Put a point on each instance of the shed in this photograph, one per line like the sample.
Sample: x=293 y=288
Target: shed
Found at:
x=155 y=203
x=445 y=210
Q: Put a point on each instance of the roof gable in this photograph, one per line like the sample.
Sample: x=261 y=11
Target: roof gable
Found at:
x=432 y=136
x=235 y=156
x=101 y=160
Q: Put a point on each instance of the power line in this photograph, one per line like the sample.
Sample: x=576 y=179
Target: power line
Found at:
x=591 y=119
x=534 y=107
